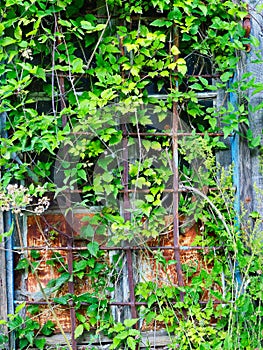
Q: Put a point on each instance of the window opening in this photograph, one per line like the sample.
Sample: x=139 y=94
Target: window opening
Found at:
x=70 y=245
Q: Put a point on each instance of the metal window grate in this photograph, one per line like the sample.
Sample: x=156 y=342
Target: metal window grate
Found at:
x=70 y=246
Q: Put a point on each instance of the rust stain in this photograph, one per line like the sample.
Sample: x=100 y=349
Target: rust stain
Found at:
x=153 y=270
x=47 y=231
x=168 y=274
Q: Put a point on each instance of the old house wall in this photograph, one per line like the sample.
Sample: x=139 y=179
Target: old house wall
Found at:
x=249 y=175
x=251 y=160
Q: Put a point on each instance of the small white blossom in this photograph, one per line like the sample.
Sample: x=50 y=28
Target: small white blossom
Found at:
x=27 y=53
x=20 y=198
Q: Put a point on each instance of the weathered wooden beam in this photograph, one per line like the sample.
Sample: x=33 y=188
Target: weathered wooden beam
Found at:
x=154 y=339
x=3 y=289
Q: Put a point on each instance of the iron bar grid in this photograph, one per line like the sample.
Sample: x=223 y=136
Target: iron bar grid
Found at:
x=175 y=190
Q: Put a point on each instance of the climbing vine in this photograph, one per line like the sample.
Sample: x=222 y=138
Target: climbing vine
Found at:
x=81 y=84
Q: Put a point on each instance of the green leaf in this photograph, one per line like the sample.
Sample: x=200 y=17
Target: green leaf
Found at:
x=40 y=343
x=161 y=23
x=107 y=177
x=18 y=33
x=89 y=28
x=23 y=343
x=77 y=66
x=80 y=317
x=254 y=41
x=213 y=122
x=115 y=343
x=22 y=264
x=140 y=182
x=149 y=198
x=227 y=131
x=78 y=331
x=20 y=307
x=61 y=280
x=130 y=322
x=48 y=328
x=254 y=215
x=7 y=41
x=131 y=342
x=104 y=162
x=40 y=73
x=2 y=28
x=33 y=309
x=35 y=254
x=82 y=174
x=80 y=265
x=30 y=337
x=175 y=14
x=92 y=310
x=226 y=76
x=65 y=23
x=181 y=66
x=122 y=335
x=203 y=8
x=174 y=50
x=150 y=316
x=108 y=94
x=87 y=231
x=63 y=300
x=197 y=86
x=151 y=300
x=93 y=248
x=255 y=142
x=8 y=233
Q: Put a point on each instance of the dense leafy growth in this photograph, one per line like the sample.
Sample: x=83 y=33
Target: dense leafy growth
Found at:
x=84 y=87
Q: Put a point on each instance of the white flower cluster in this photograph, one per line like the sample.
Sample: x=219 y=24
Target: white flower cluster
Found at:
x=20 y=198
x=27 y=53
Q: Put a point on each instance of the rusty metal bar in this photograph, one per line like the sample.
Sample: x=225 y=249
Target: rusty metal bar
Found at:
x=127 y=217
x=114 y=303
x=71 y=281
x=179 y=134
x=203 y=75
x=61 y=85
x=125 y=176
x=176 y=200
x=131 y=283
x=162 y=248
x=69 y=223
x=175 y=162
x=120 y=248
x=170 y=134
x=166 y=190
x=187 y=76
x=247 y=27
x=70 y=244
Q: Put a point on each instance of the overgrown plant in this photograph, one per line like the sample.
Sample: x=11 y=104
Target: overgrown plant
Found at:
x=108 y=99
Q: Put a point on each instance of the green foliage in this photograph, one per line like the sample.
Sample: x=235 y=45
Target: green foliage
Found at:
x=58 y=30
x=76 y=80
x=125 y=335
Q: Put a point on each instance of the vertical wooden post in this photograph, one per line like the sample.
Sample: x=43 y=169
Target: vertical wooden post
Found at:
x=3 y=289
x=3 y=279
